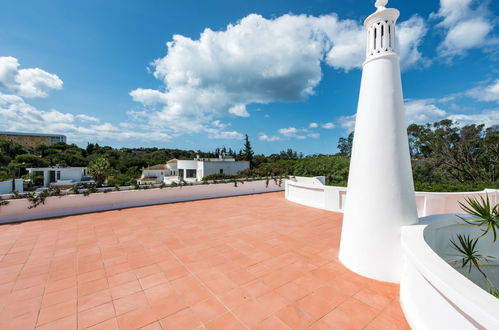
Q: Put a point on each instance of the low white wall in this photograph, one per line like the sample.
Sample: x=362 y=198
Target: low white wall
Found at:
x=17 y=210
x=310 y=192
x=433 y=294
x=6 y=186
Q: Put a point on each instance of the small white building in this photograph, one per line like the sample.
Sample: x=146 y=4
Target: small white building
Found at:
x=158 y=173
x=60 y=176
x=197 y=169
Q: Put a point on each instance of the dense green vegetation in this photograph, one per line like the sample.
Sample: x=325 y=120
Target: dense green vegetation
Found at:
x=445 y=157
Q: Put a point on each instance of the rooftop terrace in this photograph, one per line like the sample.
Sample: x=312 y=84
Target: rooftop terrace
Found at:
x=255 y=261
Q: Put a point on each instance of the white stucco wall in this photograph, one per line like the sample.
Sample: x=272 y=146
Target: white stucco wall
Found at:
x=308 y=192
x=187 y=165
x=6 y=186
x=227 y=167
x=433 y=294
x=17 y=210
x=66 y=173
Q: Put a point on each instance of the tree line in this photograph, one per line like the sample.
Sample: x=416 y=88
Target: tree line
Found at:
x=445 y=157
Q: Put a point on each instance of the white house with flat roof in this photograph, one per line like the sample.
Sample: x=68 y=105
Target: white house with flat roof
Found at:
x=197 y=169
x=158 y=173
x=61 y=176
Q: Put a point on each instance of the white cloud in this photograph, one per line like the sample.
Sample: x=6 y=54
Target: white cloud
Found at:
x=314 y=135
x=488 y=93
x=266 y=138
x=488 y=118
x=423 y=111
x=467 y=25
x=239 y=110
x=219 y=134
x=148 y=96
x=86 y=118
x=328 y=125
x=257 y=60
x=289 y=132
x=33 y=82
x=17 y=115
x=347 y=122
x=410 y=35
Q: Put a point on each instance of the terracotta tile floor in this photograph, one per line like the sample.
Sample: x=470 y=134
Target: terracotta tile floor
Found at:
x=255 y=261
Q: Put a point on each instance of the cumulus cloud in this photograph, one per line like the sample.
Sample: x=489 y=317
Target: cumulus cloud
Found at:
x=314 y=135
x=410 y=35
x=86 y=118
x=30 y=83
x=488 y=117
x=328 y=125
x=239 y=110
x=256 y=61
x=289 y=133
x=17 y=115
x=267 y=138
x=488 y=93
x=347 y=122
x=423 y=111
x=467 y=25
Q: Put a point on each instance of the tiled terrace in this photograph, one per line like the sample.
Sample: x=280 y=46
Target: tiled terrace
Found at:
x=255 y=261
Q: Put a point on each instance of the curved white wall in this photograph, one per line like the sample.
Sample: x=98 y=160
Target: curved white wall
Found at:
x=310 y=192
x=433 y=294
x=17 y=210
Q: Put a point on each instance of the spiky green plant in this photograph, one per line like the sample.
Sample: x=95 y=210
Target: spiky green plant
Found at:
x=484 y=215
x=468 y=253
x=470 y=256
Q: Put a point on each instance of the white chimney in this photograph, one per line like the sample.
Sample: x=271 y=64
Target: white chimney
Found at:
x=380 y=197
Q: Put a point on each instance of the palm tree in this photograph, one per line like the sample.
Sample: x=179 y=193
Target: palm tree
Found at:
x=99 y=169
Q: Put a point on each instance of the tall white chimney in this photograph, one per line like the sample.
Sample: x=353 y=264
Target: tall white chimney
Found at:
x=380 y=197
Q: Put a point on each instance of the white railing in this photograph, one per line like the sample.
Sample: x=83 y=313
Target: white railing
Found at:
x=312 y=192
x=17 y=209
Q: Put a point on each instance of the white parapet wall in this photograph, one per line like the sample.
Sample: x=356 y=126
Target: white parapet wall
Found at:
x=17 y=209
x=6 y=186
x=433 y=294
x=311 y=192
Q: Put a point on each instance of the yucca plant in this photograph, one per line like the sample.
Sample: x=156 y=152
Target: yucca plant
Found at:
x=484 y=215
x=468 y=253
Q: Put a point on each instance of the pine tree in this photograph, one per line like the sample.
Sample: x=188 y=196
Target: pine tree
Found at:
x=247 y=153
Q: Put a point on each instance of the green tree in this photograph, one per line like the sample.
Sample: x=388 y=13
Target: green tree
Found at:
x=247 y=153
x=30 y=160
x=99 y=169
x=345 y=145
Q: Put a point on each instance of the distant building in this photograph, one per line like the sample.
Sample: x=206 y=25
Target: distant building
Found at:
x=59 y=176
x=197 y=169
x=157 y=173
x=190 y=170
x=32 y=139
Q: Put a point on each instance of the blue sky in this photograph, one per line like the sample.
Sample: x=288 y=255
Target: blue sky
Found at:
x=287 y=73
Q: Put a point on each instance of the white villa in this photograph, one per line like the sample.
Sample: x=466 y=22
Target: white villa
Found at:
x=158 y=173
x=197 y=169
x=61 y=176
x=191 y=170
